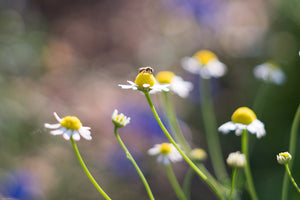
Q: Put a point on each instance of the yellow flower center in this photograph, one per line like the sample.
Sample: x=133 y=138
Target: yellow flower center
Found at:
x=164 y=76
x=204 y=56
x=165 y=148
x=285 y=155
x=144 y=78
x=119 y=118
x=243 y=115
x=71 y=122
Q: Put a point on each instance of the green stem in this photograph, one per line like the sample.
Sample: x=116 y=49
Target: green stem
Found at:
x=174 y=182
x=187 y=182
x=291 y=177
x=233 y=180
x=185 y=157
x=88 y=172
x=247 y=170
x=173 y=123
x=129 y=156
x=292 y=149
x=212 y=136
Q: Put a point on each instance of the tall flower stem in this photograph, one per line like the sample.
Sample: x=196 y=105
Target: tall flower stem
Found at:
x=291 y=177
x=88 y=172
x=180 y=194
x=173 y=123
x=292 y=149
x=212 y=136
x=185 y=157
x=233 y=180
x=187 y=182
x=129 y=156
x=247 y=170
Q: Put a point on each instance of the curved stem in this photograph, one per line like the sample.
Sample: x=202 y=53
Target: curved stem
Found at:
x=247 y=170
x=88 y=172
x=129 y=156
x=185 y=157
x=233 y=180
x=212 y=136
x=180 y=194
x=291 y=177
x=292 y=148
x=173 y=123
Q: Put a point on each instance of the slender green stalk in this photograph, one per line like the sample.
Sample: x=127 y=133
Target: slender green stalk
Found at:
x=185 y=157
x=180 y=194
x=247 y=170
x=292 y=150
x=129 y=156
x=291 y=177
x=187 y=182
x=88 y=172
x=233 y=180
x=212 y=136
x=173 y=123
x=260 y=100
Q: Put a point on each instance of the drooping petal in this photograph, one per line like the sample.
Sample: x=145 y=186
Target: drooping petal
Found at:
x=57 y=117
x=51 y=126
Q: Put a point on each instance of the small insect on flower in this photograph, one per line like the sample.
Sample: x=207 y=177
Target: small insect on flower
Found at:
x=269 y=72
x=176 y=83
x=244 y=119
x=166 y=152
x=119 y=120
x=236 y=159
x=283 y=158
x=205 y=63
x=145 y=82
x=69 y=126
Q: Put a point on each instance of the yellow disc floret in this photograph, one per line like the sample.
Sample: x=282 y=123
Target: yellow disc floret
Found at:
x=204 y=56
x=243 y=115
x=144 y=78
x=164 y=77
x=71 y=122
x=119 y=118
x=165 y=148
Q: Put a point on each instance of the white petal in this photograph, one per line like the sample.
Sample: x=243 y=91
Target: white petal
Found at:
x=115 y=114
x=227 y=127
x=76 y=136
x=85 y=133
x=51 y=126
x=191 y=65
x=216 y=68
x=57 y=132
x=126 y=86
x=67 y=134
x=57 y=117
x=154 y=150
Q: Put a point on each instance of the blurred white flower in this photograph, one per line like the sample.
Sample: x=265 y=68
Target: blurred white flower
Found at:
x=236 y=159
x=283 y=158
x=69 y=126
x=244 y=119
x=119 y=120
x=269 y=72
x=205 y=63
x=166 y=152
x=176 y=83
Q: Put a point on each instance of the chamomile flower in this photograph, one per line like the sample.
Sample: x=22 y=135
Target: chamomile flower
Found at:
x=145 y=82
x=69 y=126
x=236 y=159
x=166 y=152
x=119 y=120
x=269 y=72
x=205 y=63
x=283 y=158
x=244 y=119
x=176 y=83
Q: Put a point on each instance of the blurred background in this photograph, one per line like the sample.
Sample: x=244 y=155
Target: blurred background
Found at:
x=69 y=57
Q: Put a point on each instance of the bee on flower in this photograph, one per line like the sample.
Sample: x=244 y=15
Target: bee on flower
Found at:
x=69 y=126
x=166 y=152
x=244 y=119
x=205 y=63
x=176 y=83
x=269 y=72
x=145 y=82
x=119 y=120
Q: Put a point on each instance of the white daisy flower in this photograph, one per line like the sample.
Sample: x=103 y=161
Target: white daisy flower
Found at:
x=145 y=82
x=244 y=119
x=269 y=72
x=205 y=63
x=176 y=83
x=119 y=120
x=69 y=126
x=236 y=159
x=166 y=152
x=283 y=158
